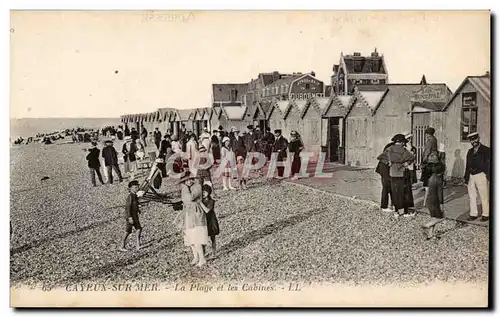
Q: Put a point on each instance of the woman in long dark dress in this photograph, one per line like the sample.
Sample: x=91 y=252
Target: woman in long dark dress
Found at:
x=215 y=145
x=295 y=147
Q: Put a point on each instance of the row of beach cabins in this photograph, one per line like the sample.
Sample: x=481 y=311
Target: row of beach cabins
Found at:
x=350 y=127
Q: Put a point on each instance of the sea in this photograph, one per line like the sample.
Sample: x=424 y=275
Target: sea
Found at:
x=26 y=127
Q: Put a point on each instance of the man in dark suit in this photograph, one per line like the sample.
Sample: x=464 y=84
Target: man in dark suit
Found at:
x=477 y=175
x=250 y=139
x=280 y=146
x=157 y=136
x=111 y=161
x=238 y=144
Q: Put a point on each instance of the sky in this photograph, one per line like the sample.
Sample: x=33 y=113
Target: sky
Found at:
x=111 y=63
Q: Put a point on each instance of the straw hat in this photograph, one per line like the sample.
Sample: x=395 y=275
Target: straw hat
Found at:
x=185 y=176
x=473 y=136
x=224 y=139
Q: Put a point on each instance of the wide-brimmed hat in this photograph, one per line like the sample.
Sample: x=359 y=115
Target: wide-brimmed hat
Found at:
x=159 y=160
x=133 y=183
x=185 y=176
x=224 y=139
x=174 y=138
x=473 y=136
x=408 y=136
x=128 y=138
x=277 y=131
x=399 y=138
x=250 y=127
x=108 y=141
x=293 y=133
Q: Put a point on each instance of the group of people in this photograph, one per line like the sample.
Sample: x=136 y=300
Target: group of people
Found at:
x=398 y=174
x=197 y=219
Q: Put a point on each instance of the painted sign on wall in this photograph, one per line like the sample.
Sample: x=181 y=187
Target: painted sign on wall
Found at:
x=429 y=93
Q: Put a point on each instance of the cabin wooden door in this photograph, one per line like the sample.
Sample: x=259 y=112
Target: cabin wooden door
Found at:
x=334 y=139
x=420 y=122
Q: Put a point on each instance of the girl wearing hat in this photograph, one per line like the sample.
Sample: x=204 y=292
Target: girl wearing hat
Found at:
x=226 y=156
x=204 y=165
x=207 y=204
x=192 y=219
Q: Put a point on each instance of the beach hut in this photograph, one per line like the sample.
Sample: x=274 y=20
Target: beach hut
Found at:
x=468 y=110
x=276 y=116
x=259 y=114
x=234 y=116
x=293 y=117
x=359 y=137
x=332 y=133
x=311 y=123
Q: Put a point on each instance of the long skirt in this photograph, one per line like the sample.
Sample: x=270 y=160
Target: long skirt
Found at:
x=435 y=196
x=398 y=192
x=196 y=235
x=408 y=193
x=296 y=165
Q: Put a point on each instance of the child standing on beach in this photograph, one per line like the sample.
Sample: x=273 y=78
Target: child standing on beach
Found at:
x=132 y=215
x=240 y=167
x=207 y=204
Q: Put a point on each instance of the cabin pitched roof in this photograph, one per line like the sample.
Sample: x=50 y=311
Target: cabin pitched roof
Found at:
x=481 y=83
x=234 y=113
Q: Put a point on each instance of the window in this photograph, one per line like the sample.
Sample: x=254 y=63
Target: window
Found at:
x=308 y=86
x=469 y=115
x=375 y=81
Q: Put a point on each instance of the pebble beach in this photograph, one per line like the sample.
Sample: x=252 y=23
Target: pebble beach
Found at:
x=66 y=231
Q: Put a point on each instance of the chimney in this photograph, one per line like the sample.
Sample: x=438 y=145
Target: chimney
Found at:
x=487 y=74
x=375 y=53
x=356 y=54
x=313 y=73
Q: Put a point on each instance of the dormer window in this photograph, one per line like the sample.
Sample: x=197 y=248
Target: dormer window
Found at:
x=375 y=81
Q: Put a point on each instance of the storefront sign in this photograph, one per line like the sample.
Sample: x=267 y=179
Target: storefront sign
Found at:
x=427 y=93
x=308 y=81
x=306 y=95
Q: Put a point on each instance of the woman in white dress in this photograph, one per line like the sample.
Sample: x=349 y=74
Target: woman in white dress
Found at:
x=192 y=218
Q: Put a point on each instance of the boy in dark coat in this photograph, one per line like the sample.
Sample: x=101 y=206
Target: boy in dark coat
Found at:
x=111 y=161
x=94 y=164
x=132 y=215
